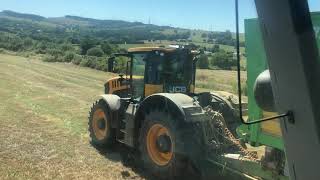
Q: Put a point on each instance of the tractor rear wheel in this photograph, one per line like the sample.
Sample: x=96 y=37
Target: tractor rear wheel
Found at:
x=158 y=147
x=100 y=129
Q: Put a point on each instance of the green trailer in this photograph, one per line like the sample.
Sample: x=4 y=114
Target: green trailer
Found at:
x=266 y=133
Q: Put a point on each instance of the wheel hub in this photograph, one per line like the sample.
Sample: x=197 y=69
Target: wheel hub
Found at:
x=159 y=144
x=163 y=143
x=101 y=124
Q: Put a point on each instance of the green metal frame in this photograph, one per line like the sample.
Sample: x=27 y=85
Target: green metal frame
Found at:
x=256 y=63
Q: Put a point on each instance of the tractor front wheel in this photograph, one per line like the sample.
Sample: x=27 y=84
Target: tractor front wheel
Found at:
x=100 y=129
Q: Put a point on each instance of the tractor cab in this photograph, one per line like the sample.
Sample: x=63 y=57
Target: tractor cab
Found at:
x=148 y=70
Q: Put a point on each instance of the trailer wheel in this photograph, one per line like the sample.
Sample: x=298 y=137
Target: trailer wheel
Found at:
x=158 y=137
x=100 y=130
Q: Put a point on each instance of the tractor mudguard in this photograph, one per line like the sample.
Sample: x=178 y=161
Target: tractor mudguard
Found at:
x=113 y=101
x=113 y=104
x=183 y=104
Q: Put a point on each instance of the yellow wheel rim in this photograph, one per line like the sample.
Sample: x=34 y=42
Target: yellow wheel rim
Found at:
x=155 y=154
x=99 y=124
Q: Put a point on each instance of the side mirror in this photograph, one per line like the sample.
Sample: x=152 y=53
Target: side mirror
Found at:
x=263 y=92
x=111 y=64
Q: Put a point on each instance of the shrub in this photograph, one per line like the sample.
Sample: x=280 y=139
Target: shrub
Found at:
x=86 y=44
x=223 y=60
x=89 y=61
x=2 y=50
x=54 y=52
x=66 y=47
x=11 y=42
x=16 y=45
x=84 y=62
x=92 y=62
x=28 y=43
x=102 y=64
x=203 y=62
x=77 y=59
x=26 y=54
x=41 y=48
x=69 y=56
x=108 y=48
x=96 y=51
x=50 y=58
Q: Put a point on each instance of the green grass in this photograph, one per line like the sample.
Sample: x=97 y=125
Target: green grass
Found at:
x=196 y=35
x=241 y=36
x=231 y=48
x=218 y=80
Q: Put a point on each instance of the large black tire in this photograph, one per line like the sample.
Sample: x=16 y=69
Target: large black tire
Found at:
x=100 y=130
x=173 y=167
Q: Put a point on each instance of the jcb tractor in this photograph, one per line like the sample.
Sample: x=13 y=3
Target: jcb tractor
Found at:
x=152 y=107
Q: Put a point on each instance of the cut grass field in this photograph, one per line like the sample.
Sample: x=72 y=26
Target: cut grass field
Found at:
x=43 y=120
x=218 y=80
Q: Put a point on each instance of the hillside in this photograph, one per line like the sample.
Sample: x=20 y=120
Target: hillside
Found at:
x=76 y=27
x=89 y=42
x=43 y=120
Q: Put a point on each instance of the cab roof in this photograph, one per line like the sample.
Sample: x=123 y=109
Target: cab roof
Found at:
x=149 y=49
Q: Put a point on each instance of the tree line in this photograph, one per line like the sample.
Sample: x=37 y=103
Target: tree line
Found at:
x=91 y=45
x=224 y=38
x=94 y=53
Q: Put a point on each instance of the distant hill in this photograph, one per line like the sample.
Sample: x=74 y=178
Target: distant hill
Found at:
x=77 y=27
x=74 y=29
x=9 y=13
x=87 y=41
x=74 y=20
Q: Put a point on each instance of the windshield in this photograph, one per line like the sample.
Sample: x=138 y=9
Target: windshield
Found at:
x=178 y=67
x=173 y=67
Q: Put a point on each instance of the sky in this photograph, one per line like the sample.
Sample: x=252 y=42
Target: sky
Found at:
x=216 y=15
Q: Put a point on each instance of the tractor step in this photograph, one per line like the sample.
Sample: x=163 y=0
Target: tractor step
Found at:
x=126 y=133
x=123 y=131
x=126 y=138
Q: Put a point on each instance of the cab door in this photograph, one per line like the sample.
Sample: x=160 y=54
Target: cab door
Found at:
x=153 y=72
x=138 y=74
